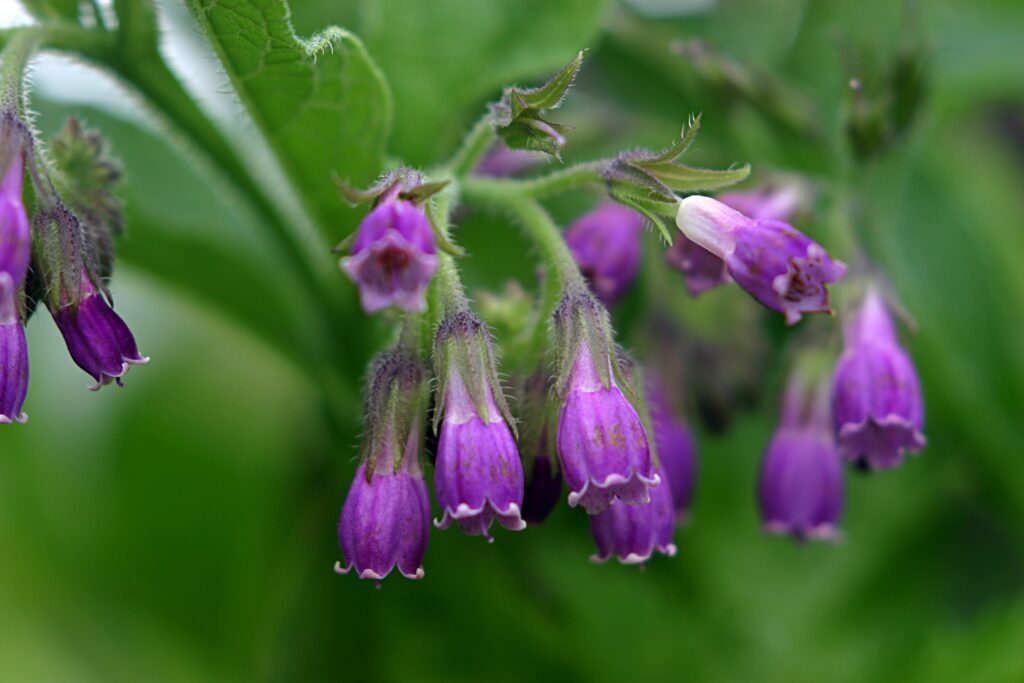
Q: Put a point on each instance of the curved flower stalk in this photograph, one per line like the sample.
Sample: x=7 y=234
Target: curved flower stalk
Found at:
x=876 y=395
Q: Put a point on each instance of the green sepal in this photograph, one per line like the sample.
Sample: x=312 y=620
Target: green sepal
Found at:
x=463 y=345
x=394 y=405
x=517 y=117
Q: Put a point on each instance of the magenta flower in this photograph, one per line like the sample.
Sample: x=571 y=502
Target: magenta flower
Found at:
x=677 y=454
x=393 y=257
x=876 y=395
x=606 y=244
x=632 y=533
x=386 y=519
x=702 y=269
x=14 y=366
x=97 y=338
x=777 y=264
x=15 y=235
x=801 y=480
x=15 y=247
x=602 y=443
x=478 y=473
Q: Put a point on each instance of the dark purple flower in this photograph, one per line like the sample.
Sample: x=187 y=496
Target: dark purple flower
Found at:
x=634 y=532
x=478 y=474
x=677 y=454
x=15 y=236
x=777 y=264
x=386 y=519
x=606 y=244
x=801 y=480
x=602 y=443
x=702 y=269
x=543 y=489
x=393 y=257
x=97 y=339
x=876 y=395
x=14 y=366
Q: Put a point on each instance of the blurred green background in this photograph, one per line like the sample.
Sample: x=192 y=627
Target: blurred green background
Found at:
x=183 y=529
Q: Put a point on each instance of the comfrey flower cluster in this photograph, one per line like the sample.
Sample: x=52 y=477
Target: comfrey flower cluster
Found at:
x=591 y=420
x=61 y=257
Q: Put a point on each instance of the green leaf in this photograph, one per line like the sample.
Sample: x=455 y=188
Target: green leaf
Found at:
x=322 y=104
x=683 y=178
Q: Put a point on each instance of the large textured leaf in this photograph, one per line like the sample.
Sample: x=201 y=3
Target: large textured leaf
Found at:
x=321 y=103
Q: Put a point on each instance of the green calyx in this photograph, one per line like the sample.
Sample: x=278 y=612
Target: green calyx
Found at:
x=463 y=349
x=518 y=116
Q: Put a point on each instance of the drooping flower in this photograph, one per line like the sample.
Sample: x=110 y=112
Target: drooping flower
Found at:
x=602 y=444
x=393 y=256
x=386 y=519
x=15 y=235
x=777 y=264
x=14 y=366
x=876 y=395
x=606 y=244
x=97 y=338
x=801 y=480
x=15 y=247
x=676 y=451
x=478 y=473
x=632 y=533
x=702 y=269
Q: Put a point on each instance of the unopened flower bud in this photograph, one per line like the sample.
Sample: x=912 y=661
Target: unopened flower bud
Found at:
x=801 y=480
x=777 y=264
x=602 y=444
x=478 y=474
x=606 y=244
x=393 y=256
x=632 y=533
x=97 y=338
x=876 y=395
